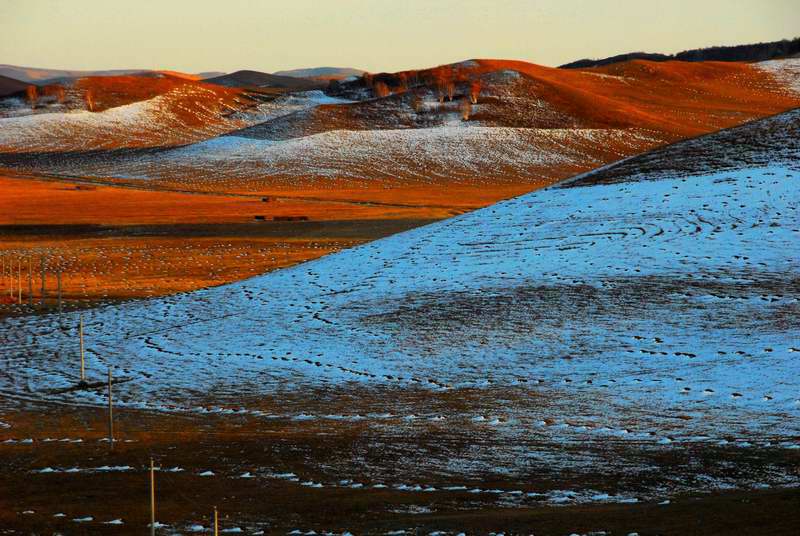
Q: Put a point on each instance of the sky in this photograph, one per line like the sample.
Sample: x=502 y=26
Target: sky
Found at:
x=375 y=35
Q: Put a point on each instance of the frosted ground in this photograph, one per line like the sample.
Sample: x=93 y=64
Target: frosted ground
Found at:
x=288 y=141
x=186 y=114
x=645 y=310
x=190 y=138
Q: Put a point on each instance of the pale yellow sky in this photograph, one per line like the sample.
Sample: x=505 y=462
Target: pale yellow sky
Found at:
x=266 y=35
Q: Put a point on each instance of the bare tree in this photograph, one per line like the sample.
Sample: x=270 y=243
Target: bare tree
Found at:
x=439 y=78
x=381 y=89
x=441 y=88
x=417 y=103
x=466 y=108
x=32 y=93
x=451 y=89
x=88 y=96
x=368 y=79
x=403 y=82
x=474 y=90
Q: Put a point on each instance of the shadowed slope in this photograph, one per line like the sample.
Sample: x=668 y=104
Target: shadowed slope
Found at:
x=9 y=86
x=258 y=79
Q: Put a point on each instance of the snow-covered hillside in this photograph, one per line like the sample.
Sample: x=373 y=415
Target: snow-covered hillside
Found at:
x=787 y=71
x=652 y=310
x=658 y=310
x=426 y=156
x=529 y=126
x=186 y=114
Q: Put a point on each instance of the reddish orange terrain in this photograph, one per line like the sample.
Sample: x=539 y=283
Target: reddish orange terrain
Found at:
x=135 y=186
x=150 y=184
x=111 y=243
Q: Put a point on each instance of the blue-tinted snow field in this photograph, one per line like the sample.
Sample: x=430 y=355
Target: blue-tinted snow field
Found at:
x=654 y=302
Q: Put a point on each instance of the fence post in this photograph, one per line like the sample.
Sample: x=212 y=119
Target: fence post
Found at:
x=19 y=281
x=110 y=413
x=152 y=499
x=3 y=269
x=216 y=522
x=41 y=262
x=58 y=276
x=30 y=281
x=4 y=275
x=83 y=363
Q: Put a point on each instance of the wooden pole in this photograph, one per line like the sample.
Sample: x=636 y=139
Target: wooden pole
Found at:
x=216 y=522
x=110 y=413
x=152 y=499
x=19 y=281
x=4 y=275
x=41 y=262
x=30 y=281
x=58 y=276
x=10 y=284
x=83 y=361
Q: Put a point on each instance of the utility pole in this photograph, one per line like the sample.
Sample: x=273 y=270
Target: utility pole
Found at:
x=83 y=361
x=110 y=413
x=216 y=522
x=152 y=499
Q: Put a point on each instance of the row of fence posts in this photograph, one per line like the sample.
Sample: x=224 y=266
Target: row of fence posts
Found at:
x=111 y=436
x=15 y=283
x=15 y=291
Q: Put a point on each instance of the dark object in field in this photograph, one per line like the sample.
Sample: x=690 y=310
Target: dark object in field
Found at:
x=265 y=199
x=83 y=385
x=260 y=218
x=290 y=218
x=85 y=187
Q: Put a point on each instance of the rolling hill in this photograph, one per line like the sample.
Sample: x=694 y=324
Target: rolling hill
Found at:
x=41 y=76
x=752 y=52
x=371 y=156
x=613 y=331
x=246 y=79
x=322 y=73
x=123 y=112
x=10 y=86
x=36 y=75
x=401 y=138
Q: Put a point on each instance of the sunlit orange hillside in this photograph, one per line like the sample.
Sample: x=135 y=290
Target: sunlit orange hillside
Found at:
x=127 y=111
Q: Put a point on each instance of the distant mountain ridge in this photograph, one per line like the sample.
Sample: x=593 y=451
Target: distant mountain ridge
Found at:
x=751 y=52
x=35 y=75
x=246 y=78
x=322 y=73
x=41 y=76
